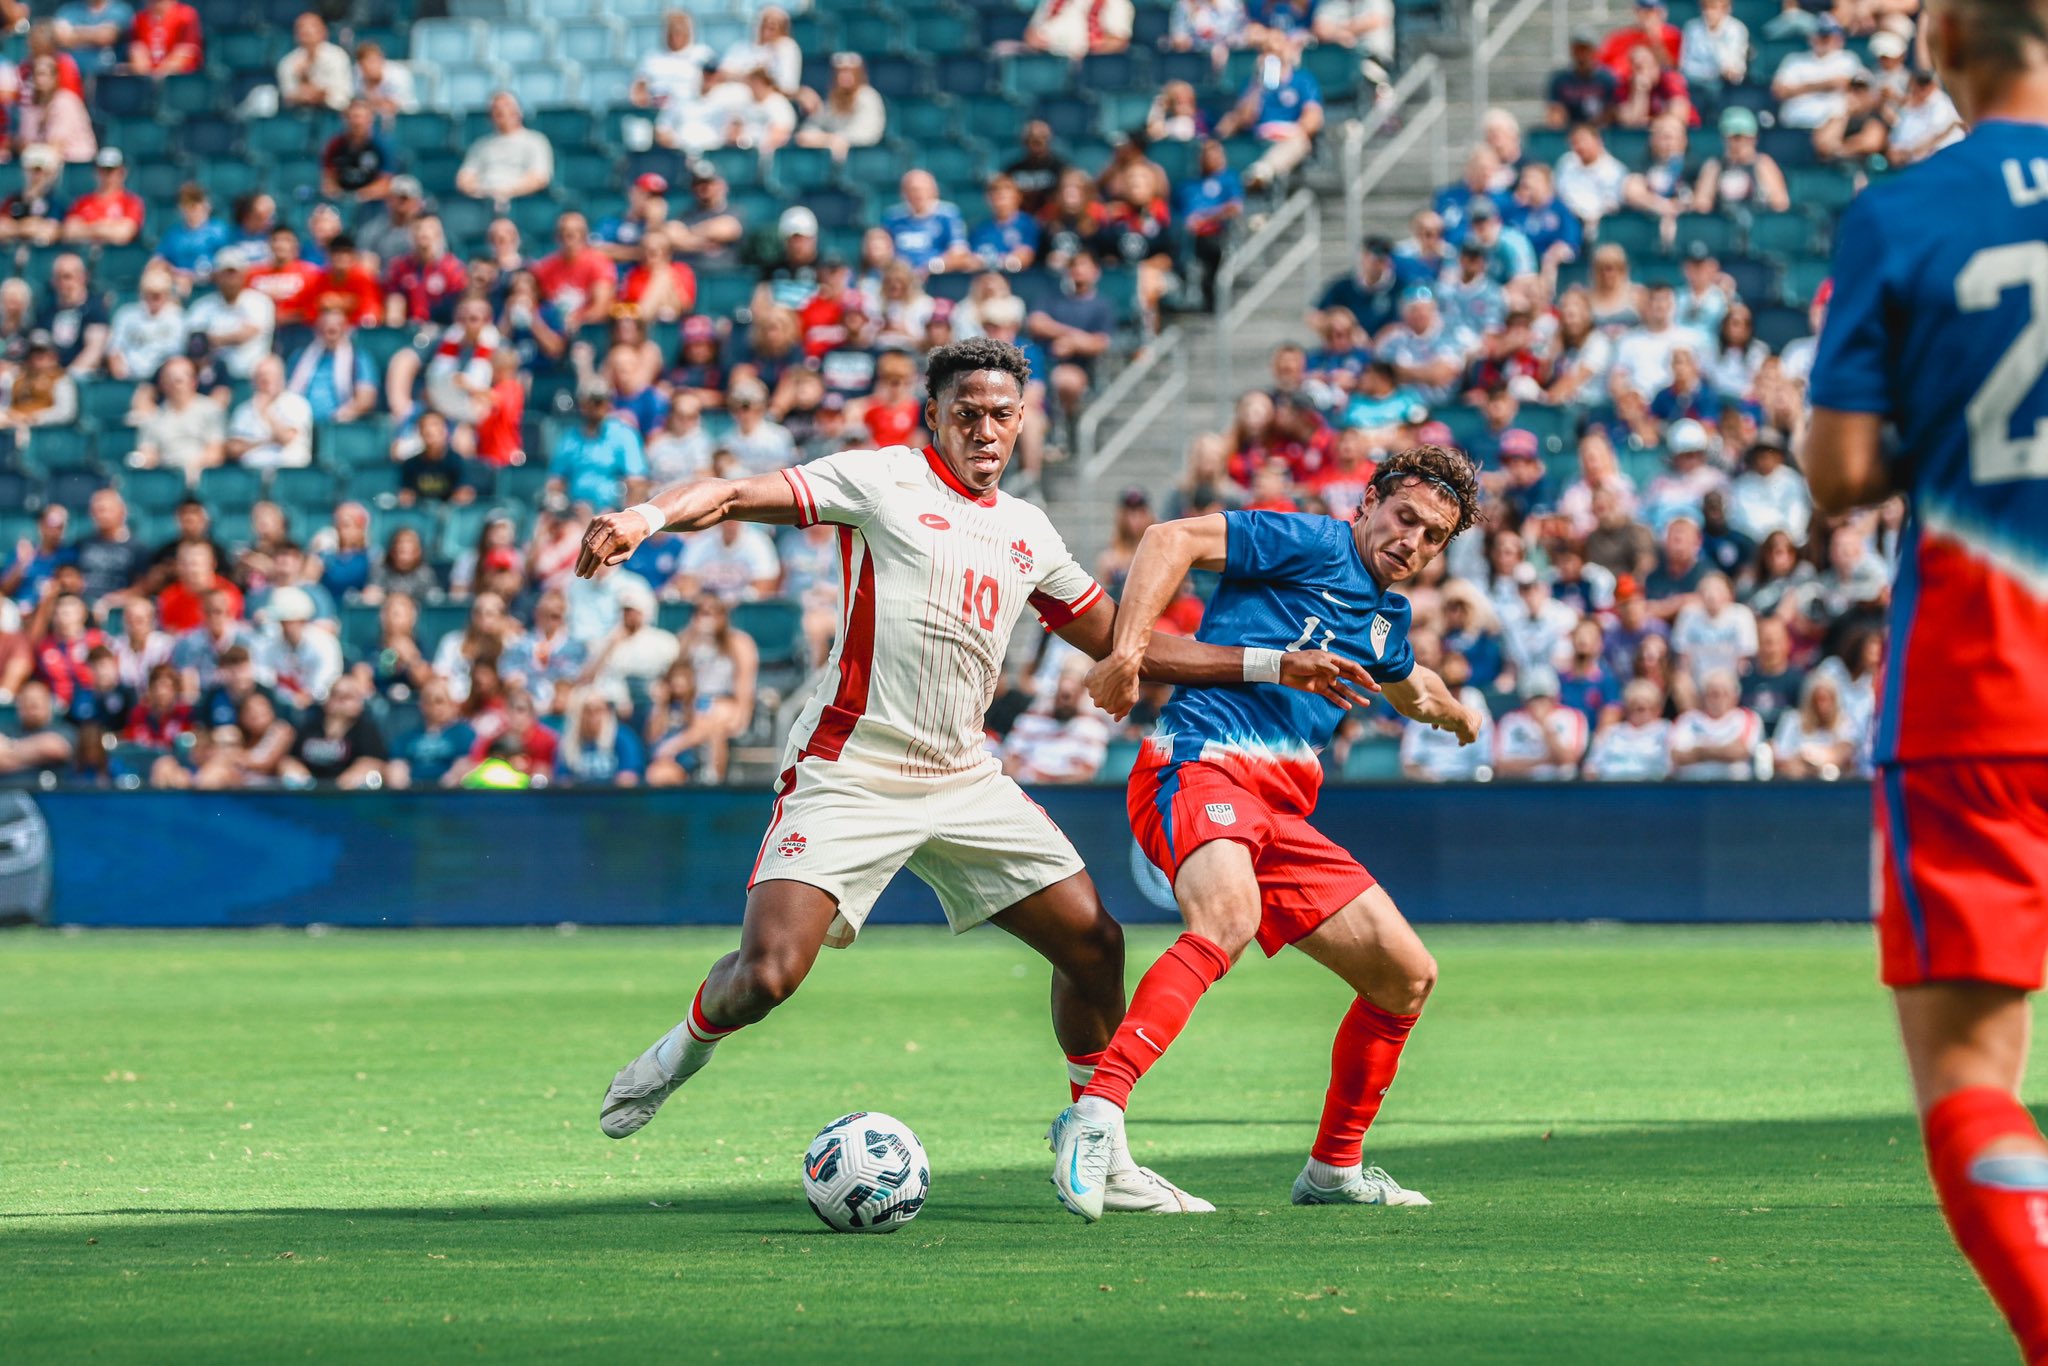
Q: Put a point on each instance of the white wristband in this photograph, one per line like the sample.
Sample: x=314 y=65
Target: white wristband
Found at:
x=1261 y=666
x=655 y=518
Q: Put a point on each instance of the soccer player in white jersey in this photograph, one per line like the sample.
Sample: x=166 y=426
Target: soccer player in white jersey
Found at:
x=887 y=766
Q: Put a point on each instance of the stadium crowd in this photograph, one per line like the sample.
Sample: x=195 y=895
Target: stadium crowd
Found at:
x=314 y=433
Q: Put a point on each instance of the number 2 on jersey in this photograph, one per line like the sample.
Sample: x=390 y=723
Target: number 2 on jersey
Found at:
x=979 y=599
x=1996 y=455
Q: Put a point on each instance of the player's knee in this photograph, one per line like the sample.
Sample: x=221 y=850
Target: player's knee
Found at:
x=767 y=982
x=1412 y=986
x=1099 y=953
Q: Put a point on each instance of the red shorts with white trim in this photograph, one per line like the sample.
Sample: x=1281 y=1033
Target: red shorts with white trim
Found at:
x=1304 y=876
x=1963 y=872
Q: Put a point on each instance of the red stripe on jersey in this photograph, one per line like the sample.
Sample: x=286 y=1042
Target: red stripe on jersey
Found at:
x=783 y=787
x=856 y=654
x=1054 y=614
x=806 y=505
x=953 y=481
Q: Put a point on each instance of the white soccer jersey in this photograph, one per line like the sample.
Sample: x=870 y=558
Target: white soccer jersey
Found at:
x=1519 y=736
x=1696 y=729
x=934 y=578
x=1629 y=753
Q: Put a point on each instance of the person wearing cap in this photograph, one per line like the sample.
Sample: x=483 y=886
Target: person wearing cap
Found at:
x=423 y=284
x=707 y=232
x=761 y=443
x=1504 y=248
x=1691 y=476
x=1741 y=176
x=1770 y=494
x=1470 y=301
x=1713 y=52
x=1585 y=91
x=1927 y=120
x=1425 y=353
x=35 y=213
x=1542 y=740
x=578 y=279
x=301 y=661
x=1370 y=291
x=348 y=283
x=53 y=115
x=600 y=459
x=621 y=235
x=1812 y=87
x=1651 y=28
x=1282 y=106
x=388 y=86
x=792 y=279
x=510 y=162
x=1589 y=177
x=357 y=162
x=850 y=114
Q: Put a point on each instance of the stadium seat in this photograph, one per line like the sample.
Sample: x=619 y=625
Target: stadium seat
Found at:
x=942 y=33
x=881 y=164
x=230 y=486
x=674 y=616
x=1336 y=70
x=57 y=448
x=836 y=208
x=900 y=76
x=1373 y=760
x=1193 y=67
x=963 y=73
x=959 y=167
x=1777 y=324
x=995 y=119
x=776 y=625
x=799 y=170
x=1638 y=234
x=361 y=629
x=182 y=97
x=1802 y=278
x=112 y=446
x=146 y=490
x=548 y=82
x=127 y=97
x=1711 y=230
x=1781 y=235
x=104 y=402
x=443 y=43
x=1119 y=760
x=308 y=489
x=1030 y=75
x=590 y=40
x=1820 y=189
x=73 y=488
x=1122 y=111
x=1754 y=278
x=723 y=293
x=425 y=130
x=1125 y=70
x=372 y=485
x=468 y=86
x=353 y=445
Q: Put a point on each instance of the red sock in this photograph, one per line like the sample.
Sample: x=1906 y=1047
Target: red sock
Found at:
x=1081 y=1070
x=699 y=1025
x=1160 y=1007
x=2002 y=1228
x=1362 y=1064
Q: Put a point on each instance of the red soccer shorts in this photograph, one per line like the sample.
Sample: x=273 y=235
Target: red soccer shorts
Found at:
x=1304 y=878
x=1963 y=853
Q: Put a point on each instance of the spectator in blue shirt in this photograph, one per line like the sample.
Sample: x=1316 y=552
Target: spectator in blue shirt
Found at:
x=1371 y=294
x=1585 y=91
x=424 y=756
x=1293 y=19
x=96 y=32
x=1008 y=240
x=1420 y=257
x=1471 y=303
x=1554 y=232
x=597 y=750
x=1075 y=328
x=1508 y=253
x=599 y=461
x=338 y=379
x=928 y=231
x=1454 y=202
x=1283 y=107
x=1209 y=204
x=188 y=247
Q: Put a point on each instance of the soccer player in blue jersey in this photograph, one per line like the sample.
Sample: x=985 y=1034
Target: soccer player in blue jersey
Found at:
x=1221 y=797
x=1939 y=329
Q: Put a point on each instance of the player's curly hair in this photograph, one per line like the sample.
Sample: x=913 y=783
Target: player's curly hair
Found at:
x=1441 y=467
x=946 y=364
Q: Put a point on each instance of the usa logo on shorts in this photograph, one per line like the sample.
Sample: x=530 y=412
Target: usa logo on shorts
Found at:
x=1020 y=555
x=1222 y=813
x=792 y=845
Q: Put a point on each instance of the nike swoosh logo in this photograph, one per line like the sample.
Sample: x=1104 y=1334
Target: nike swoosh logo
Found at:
x=1336 y=603
x=817 y=1167
x=1074 y=1174
x=1140 y=1032
x=901 y=484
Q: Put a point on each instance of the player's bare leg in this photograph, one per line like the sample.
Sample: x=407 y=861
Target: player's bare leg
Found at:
x=1371 y=945
x=1966 y=1048
x=1218 y=895
x=1070 y=927
x=784 y=930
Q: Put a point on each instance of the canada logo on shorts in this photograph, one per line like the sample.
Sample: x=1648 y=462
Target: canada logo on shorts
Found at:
x=1020 y=555
x=1222 y=813
x=792 y=845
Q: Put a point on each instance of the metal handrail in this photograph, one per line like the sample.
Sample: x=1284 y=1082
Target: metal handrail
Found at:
x=1488 y=41
x=1427 y=74
x=1165 y=346
x=1234 y=310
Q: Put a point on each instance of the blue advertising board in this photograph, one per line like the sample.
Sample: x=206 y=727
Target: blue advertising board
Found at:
x=1490 y=853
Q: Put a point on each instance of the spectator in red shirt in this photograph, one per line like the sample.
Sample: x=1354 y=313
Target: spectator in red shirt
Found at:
x=661 y=288
x=181 y=607
x=167 y=40
x=423 y=285
x=499 y=439
x=349 y=284
x=579 y=280
x=288 y=281
x=518 y=737
x=1650 y=27
x=162 y=717
x=111 y=213
x=61 y=653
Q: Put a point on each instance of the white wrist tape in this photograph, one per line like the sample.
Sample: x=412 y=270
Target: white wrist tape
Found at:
x=1261 y=666
x=655 y=518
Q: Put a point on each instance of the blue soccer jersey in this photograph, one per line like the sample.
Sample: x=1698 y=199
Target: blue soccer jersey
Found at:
x=1939 y=323
x=1290 y=581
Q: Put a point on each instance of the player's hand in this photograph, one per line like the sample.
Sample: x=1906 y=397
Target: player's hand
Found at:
x=1113 y=683
x=610 y=539
x=1464 y=724
x=1343 y=681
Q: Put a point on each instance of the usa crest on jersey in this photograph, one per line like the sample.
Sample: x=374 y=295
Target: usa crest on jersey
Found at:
x=1222 y=813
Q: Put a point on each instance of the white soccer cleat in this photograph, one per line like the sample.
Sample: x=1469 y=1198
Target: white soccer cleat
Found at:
x=643 y=1084
x=1135 y=1189
x=1082 y=1152
x=1371 y=1186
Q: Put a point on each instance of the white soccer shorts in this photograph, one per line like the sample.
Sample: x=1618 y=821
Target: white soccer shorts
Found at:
x=974 y=838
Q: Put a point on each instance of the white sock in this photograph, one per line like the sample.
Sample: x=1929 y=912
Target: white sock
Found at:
x=1329 y=1177
x=1096 y=1110
x=680 y=1052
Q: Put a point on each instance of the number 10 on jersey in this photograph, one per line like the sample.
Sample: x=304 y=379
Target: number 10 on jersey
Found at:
x=980 y=597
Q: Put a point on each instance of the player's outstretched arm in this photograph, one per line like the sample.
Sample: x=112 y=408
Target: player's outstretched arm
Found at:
x=613 y=536
x=1845 y=465
x=1422 y=696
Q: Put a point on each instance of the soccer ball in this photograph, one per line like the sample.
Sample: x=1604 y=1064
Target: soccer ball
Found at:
x=866 y=1173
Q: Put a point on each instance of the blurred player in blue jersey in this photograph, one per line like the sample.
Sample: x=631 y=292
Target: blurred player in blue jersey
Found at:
x=1939 y=329
x=1221 y=797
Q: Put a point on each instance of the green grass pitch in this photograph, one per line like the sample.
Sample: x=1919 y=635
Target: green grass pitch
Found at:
x=1664 y=1146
